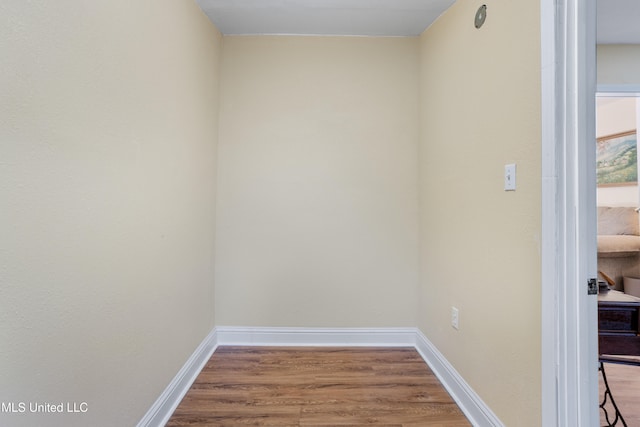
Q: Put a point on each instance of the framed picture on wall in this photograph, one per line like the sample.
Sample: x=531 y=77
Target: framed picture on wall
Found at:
x=617 y=159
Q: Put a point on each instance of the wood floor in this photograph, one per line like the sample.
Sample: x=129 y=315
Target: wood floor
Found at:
x=276 y=386
x=624 y=381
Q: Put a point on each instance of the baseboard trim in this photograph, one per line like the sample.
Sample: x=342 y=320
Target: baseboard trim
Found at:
x=166 y=404
x=478 y=413
x=384 y=337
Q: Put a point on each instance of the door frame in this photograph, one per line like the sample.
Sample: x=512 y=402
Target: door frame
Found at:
x=569 y=386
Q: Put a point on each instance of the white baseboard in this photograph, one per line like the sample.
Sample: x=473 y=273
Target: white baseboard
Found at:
x=478 y=413
x=339 y=337
x=166 y=404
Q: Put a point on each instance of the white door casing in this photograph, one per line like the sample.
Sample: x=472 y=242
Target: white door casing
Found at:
x=569 y=314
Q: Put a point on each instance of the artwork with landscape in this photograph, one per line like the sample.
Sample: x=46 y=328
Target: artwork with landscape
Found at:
x=617 y=159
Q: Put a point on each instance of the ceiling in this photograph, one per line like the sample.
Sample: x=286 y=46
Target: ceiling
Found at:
x=618 y=20
x=324 y=17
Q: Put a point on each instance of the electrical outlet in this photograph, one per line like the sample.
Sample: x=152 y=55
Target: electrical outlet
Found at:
x=454 y=317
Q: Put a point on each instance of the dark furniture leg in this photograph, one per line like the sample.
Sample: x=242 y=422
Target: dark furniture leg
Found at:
x=607 y=393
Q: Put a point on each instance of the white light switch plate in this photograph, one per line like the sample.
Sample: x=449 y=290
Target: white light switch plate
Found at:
x=455 y=318
x=510 y=177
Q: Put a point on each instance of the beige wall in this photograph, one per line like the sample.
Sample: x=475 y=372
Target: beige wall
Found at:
x=615 y=115
x=317 y=197
x=107 y=182
x=618 y=64
x=480 y=93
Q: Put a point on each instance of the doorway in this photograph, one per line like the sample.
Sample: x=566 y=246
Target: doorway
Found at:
x=569 y=314
x=569 y=310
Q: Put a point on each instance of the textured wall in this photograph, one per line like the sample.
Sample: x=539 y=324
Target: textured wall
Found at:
x=480 y=245
x=317 y=201
x=107 y=187
x=618 y=64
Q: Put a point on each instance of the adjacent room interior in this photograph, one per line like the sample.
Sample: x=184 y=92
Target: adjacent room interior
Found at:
x=617 y=193
x=618 y=236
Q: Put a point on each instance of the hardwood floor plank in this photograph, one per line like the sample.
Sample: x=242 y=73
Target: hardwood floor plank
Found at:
x=304 y=386
x=349 y=414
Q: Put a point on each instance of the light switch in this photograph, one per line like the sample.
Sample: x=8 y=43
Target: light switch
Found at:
x=510 y=177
